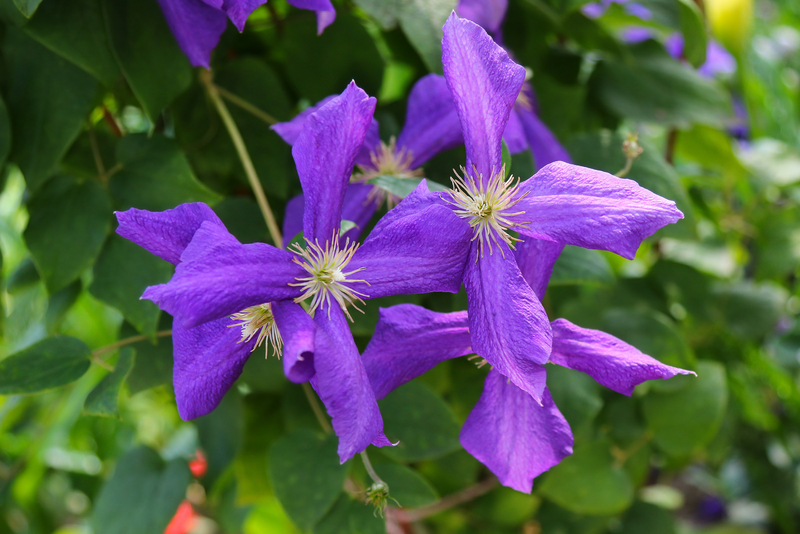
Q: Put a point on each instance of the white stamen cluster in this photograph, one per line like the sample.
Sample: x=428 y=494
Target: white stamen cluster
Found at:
x=487 y=207
x=258 y=320
x=327 y=276
x=387 y=161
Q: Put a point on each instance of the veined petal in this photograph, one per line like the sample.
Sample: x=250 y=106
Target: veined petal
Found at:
x=535 y=259
x=485 y=83
x=226 y=279
x=298 y=332
x=514 y=135
x=580 y=206
x=545 y=147
x=343 y=385
x=409 y=341
x=508 y=323
x=513 y=435
x=610 y=361
x=208 y=359
x=326 y=14
x=325 y=154
x=432 y=124
x=166 y=233
x=239 y=10
x=196 y=26
x=486 y=13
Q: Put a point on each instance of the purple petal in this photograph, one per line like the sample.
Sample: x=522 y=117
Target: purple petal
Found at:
x=196 y=26
x=580 y=206
x=638 y=10
x=535 y=259
x=326 y=14
x=718 y=61
x=636 y=34
x=508 y=323
x=208 y=360
x=514 y=135
x=225 y=278
x=545 y=147
x=486 y=13
x=610 y=361
x=343 y=385
x=594 y=10
x=239 y=10
x=514 y=436
x=421 y=252
x=409 y=341
x=674 y=45
x=298 y=332
x=293 y=219
x=432 y=124
x=325 y=153
x=167 y=233
x=485 y=83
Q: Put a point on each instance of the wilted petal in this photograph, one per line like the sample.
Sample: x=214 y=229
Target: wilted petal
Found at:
x=485 y=83
x=514 y=135
x=208 y=360
x=343 y=385
x=326 y=14
x=535 y=259
x=197 y=27
x=409 y=341
x=508 y=323
x=580 y=206
x=513 y=435
x=325 y=153
x=486 y=13
x=432 y=124
x=298 y=332
x=545 y=147
x=610 y=361
x=165 y=233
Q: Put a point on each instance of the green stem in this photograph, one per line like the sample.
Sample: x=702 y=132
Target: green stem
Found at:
x=312 y=400
x=370 y=471
x=126 y=341
x=465 y=495
x=247 y=106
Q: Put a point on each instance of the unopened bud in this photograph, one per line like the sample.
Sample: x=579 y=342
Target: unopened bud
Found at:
x=631 y=147
x=378 y=496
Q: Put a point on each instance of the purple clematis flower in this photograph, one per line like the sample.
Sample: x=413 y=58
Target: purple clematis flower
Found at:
x=431 y=127
x=561 y=203
x=218 y=281
x=198 y=24
x=511 y=433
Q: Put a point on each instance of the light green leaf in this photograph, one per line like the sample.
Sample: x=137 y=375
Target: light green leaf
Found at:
x=750 y=310
x=27 y=7
x=693 y=29
x=406 y=486
x=48 y=364
x=103 y=400
x=577 y=265
x=350 y=517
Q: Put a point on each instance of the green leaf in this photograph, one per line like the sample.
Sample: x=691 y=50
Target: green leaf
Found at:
x=75 y=31
x=220 y=434
x=243 y=219
x=59 y=304
x=645 y=517
x=68 y=223
x=576 y=395
x=383 y=11
x=350 y=517
x=306 y=475
x=142 y=495
x=48 y=364
x=688 y=418
x=146 y=51
x=650 y=332
x=506 y=156
x=103 y=400
x=49 y=99
x=588 y=482
x=406 y=486
x=693 y=29
x=422 y=21
x=577 y=265
x=27 y=7
x=5 y=134
x=402 y=187
x=421 y=421
x=25 y=275
x=750 y=310
x=155 y=175
x=153 y=364
x=122 y=273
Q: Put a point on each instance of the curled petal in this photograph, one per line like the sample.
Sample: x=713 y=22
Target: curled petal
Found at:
x=298 y=332
x=196 y=25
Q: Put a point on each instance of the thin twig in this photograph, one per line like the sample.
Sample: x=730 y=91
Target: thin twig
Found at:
x=247 y=106
x=112 y=122
x=102 y=363
x=312 y=400
x=370 y=471
x=105 y=177
x=672 y=139
x=98 y=160
x=465 y=495
x=244 y=156
x=126 y=341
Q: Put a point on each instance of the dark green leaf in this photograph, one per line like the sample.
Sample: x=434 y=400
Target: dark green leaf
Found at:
x=350 y=517
x=750 y=310
x=422 y=21
x=384 y=11
x=576 y=395
x=48 y=364
x=220 y=434
x=421 y=421
x=506 y=156
x=68 y=223
x=27 y=7
x=5 y=134
x=153 y=365
x=645 y=517
x=142 y=495
x=578 y=265
x=306 y=475
x=25 y=275
x=406 y=486
x=49 y=100
x=650 y=332
x=103 y=400
x=147 y=53
x=243 y=219
x=122 y=273
x=693 y=29
x=60 y=303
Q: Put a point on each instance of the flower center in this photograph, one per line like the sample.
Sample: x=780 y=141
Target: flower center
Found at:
x=387 y=161
x=487 y=207
x=327 y=276
x=258 y=320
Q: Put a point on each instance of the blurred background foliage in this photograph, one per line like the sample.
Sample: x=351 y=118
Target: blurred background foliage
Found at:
x=100 y=111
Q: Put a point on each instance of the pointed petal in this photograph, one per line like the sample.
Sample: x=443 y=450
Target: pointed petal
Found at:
x=239 y=10
x=298 y=332
x=535 y=259
x=514 y=135
x=545 y=147
x=580 y=206
x=486 y=13
x=432 y=124
x=409 y=341
x=514 y=436
x=166 y=233
x=610 y=361
x=485 y=83
x=225 y=278
x=343 y=385
x=325 y=153
x=196 y=26
x=208 y=359
x=508 y=323
x=326 y=14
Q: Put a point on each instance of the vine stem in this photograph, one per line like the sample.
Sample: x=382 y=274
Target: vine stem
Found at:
x=214 y=93
x=123 y=342
x=465 y=495
x=370 y=470
x=247 y=106
x=312 y=400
